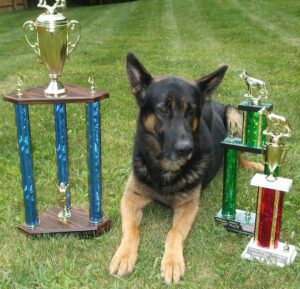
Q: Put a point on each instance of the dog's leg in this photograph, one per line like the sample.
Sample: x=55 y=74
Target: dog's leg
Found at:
x=250 y=165
x=172 y=265
x=131 y=212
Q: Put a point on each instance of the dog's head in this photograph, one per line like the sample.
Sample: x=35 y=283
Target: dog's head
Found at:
x=170 y=109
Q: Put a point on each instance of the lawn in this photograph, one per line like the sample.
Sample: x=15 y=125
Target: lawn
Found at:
x=187 y=38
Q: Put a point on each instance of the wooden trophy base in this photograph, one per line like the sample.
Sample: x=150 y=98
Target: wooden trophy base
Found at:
x=78 y=224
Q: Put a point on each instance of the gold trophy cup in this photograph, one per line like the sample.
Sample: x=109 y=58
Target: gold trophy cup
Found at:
x=53 y=32
x=275 y=156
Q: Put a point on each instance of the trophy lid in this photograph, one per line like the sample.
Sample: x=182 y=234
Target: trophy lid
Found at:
x=51 y=17
x=46 y=20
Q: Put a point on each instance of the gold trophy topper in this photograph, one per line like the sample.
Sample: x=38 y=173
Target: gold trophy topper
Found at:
x=251 y=83
x=91 y=81
x=20 y=82
x=277 y=128
x=51 y=9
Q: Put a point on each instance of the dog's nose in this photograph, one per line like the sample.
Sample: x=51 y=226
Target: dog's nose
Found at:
x=183 y=148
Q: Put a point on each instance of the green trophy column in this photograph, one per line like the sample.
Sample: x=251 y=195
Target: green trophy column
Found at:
x=229 y=184
x=255 y=125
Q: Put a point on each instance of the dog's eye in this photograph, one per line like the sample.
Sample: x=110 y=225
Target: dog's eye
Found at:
x=163 y=109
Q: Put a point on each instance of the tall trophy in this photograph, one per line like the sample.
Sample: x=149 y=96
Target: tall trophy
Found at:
x=265 y=245
x=53 y=43
x=54 y=36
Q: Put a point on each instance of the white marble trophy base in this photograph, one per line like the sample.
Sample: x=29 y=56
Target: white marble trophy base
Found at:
x=279 y=256
x=280 y=184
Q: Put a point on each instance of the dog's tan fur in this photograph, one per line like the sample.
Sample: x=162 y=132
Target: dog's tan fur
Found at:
x=135 y=198
x=246 y=164
x=195 y=124
x=132 y=203
x=234 y=118
x=149 y=123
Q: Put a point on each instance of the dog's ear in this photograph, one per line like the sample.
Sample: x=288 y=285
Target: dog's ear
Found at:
x=139 y=77
x=210 y=82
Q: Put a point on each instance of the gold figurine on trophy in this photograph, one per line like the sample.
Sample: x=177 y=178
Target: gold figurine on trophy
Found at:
x=251 y=83
x=20 y=82
x=91 y=81
x=65 y=213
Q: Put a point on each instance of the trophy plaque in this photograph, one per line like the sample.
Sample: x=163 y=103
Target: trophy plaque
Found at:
x=265 y=245
x=53 y=45
x=251 y=140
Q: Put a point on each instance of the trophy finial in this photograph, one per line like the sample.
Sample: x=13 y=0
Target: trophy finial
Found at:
x=277 y=126
x=252 y=82
x=51 y=9
x=91 y=81
x=20 y=82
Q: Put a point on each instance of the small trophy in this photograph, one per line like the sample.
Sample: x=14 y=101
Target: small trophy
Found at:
x=53 y=44
x=65 y=212
x=264 y=246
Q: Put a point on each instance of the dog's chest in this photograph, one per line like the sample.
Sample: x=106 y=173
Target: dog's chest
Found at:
x=171 y=198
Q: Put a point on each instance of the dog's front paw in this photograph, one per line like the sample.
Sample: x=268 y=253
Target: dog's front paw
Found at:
x=172 y=267
x=123 y=262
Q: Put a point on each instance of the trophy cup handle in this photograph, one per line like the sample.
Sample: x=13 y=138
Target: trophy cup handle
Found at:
x=73 y=25
x=30 y=26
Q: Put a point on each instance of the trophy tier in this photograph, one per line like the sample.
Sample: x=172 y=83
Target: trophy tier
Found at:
x=75 y=94
x=83 y=222
x=246 y=106
x=78 y=224
x=237 y=144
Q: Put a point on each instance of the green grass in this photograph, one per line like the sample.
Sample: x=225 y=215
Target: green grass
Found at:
x=187 y=38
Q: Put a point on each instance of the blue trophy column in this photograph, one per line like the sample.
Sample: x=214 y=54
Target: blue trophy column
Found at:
x=61 y=145
x=94 y=160
x=24 y=141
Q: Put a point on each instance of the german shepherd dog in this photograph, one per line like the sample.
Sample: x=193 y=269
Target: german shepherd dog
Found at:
x=176 y=153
